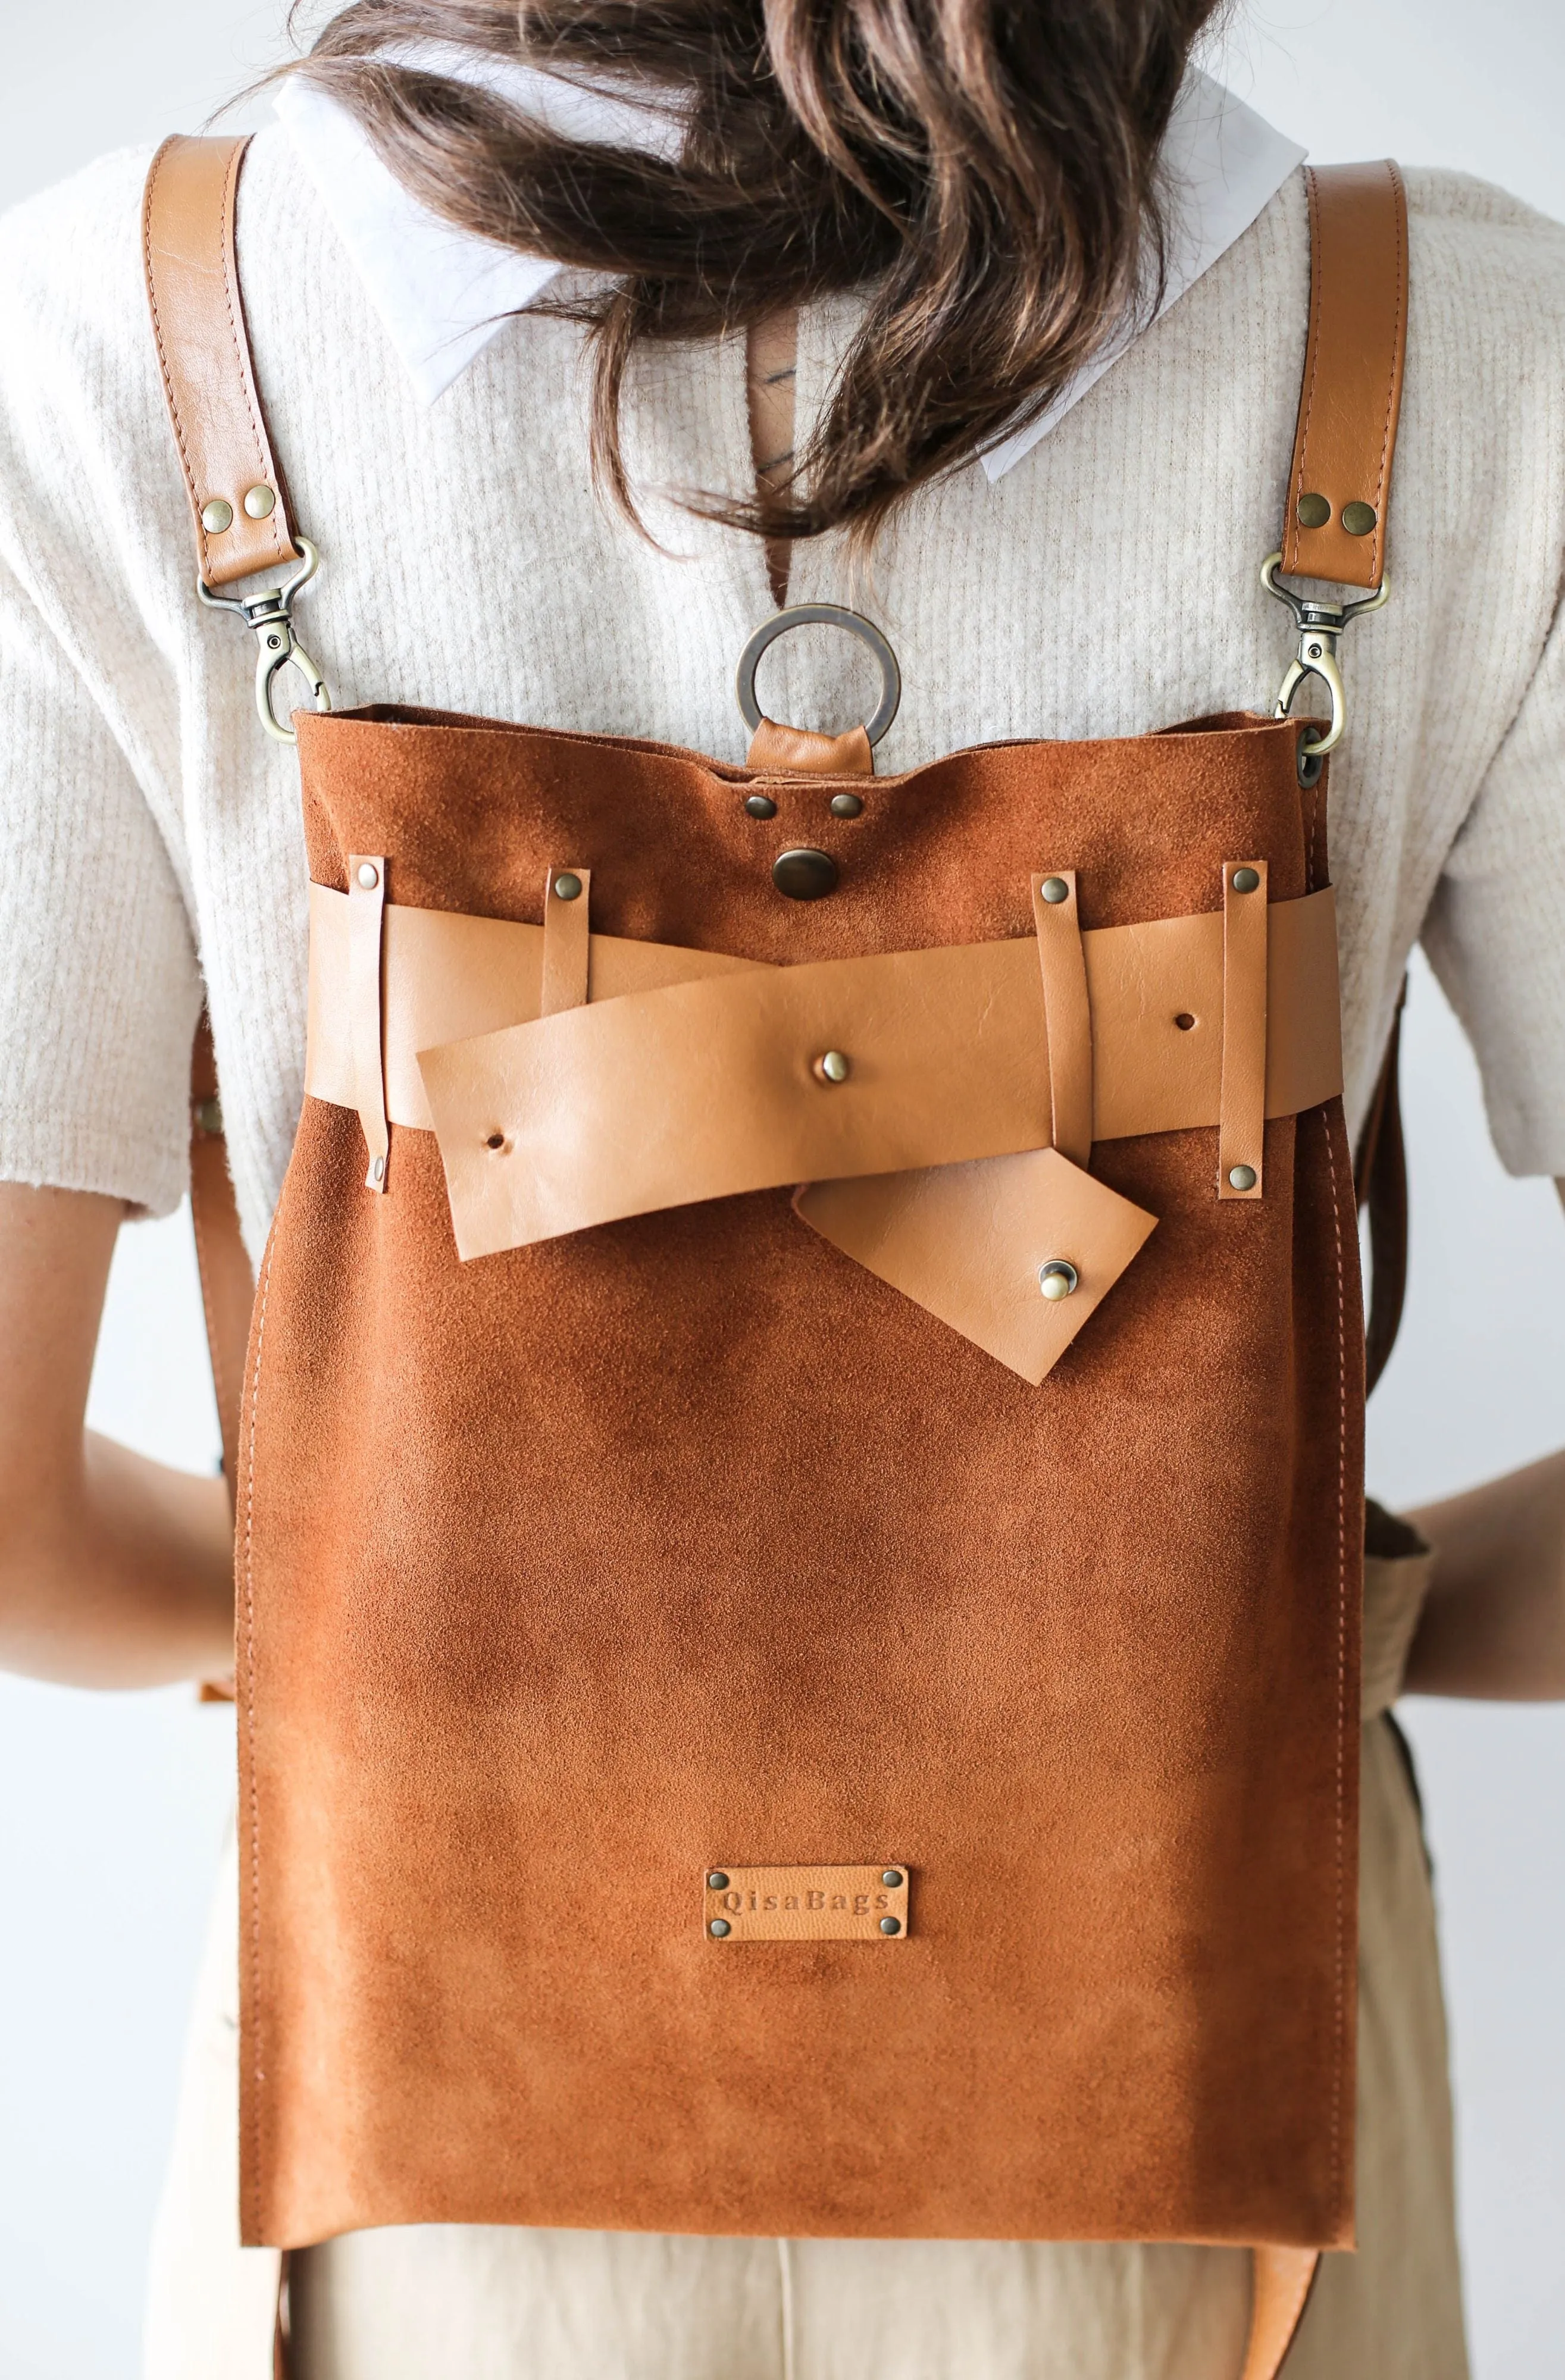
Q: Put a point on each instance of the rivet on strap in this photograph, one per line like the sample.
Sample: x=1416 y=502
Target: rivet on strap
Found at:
x=566 y=938
x=1066 y=1012
x=366 y=917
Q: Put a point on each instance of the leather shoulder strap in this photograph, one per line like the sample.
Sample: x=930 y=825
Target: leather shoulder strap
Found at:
x=238 y=503
x=1341 y=481
x=228 y=1283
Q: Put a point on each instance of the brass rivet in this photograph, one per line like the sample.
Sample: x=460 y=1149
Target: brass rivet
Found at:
x=369 y=875
x=845 y=805
x=720 y=1926
x=892 y=1876
x=217 y=515
x=260 y=502
x=209 y=1118
x=1057 y=1280
x=717 y=1880
x=568 y=887
x=1313 y=512
x=1055 y=889
x=890 y=1925
x=833 y=1068
x=760 y=806
x=1359 y=519
x=806 y=875
x=1242 y=1177
x=1246 y=880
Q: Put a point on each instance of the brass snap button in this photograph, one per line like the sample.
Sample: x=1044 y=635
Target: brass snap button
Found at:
x=805 y=875
x=1057 y=1280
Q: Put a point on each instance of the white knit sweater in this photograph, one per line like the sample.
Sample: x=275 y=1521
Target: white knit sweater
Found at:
x=1107 y=585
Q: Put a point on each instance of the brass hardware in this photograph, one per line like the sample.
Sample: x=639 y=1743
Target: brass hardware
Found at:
x=259 y=503
x=760 y=806
x=568 y=887
x=217 y=515
x=1313 y=512
x=720 y=1926
x=378 y=1170
x=845 y=805
x=1359 y=519
x=1243 y=1177
x=890 y=1925
x=833 y=616
x=805 y=875
x=833 y=1068
x=369 y=875
x=892 y=1876
x=717 y=1881
x=1245 y=880
x=1055 y=889
x=1057 y=1280
x=270 y=618
x=1321 y=626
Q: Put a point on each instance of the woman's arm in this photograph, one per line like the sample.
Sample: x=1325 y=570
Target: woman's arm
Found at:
x=1494 y=1623
x=113 y=1571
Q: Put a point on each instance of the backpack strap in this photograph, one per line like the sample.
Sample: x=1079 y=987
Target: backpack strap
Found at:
x=238 y=501
x=1340 y=481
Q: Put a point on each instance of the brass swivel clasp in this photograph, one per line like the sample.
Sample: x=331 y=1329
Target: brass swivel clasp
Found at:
x=1321 y=626
x=270 y=617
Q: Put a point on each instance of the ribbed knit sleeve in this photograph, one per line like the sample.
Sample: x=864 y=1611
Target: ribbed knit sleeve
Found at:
x=1495 y=929
x=99 y=990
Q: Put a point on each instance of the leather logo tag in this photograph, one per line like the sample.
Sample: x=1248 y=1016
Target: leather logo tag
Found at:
x=807 y=1904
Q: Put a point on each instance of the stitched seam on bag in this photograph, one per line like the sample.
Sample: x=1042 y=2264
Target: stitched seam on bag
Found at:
x=1342 y=1669
x=253 y=1797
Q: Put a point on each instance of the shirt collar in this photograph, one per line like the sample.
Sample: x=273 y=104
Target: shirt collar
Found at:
x=443 y=294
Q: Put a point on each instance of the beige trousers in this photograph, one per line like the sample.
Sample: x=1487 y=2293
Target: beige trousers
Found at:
x=459 y=2304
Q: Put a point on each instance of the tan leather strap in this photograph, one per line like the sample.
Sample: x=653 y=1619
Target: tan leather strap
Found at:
x=1340 y=485
x=238 y=503
x=804 y=752
x=1242 y=1119
x=567 y=937
x=1067 y=1012
x=1283 y=2278
x=448 y=978
x=1380 y=1184
x=366 y=915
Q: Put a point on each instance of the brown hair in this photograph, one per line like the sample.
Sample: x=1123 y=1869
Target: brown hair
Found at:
x=985 y=170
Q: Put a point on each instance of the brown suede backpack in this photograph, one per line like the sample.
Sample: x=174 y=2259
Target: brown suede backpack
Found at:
x=799 y=1485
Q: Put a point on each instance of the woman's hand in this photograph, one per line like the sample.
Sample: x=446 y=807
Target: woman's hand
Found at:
x=1494 y=1623
x=113 y=1571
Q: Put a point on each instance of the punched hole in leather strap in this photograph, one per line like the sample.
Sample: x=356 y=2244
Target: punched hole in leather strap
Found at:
x=566 y=939
x=1241 y=1112
x=1067 y=1014
x=366 y=922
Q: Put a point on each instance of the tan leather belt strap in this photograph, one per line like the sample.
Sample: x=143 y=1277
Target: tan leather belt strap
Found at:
x=1283 y=2278
x=1340 y=481
x=366 y=915
x=1067 y=1012
x=238 y=503
x=1242 y=1118
x=567 y=937
x=228 y=1283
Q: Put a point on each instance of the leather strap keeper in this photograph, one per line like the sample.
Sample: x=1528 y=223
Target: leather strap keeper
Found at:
x=683 y=1082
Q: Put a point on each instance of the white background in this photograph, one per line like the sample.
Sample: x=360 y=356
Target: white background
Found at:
x=111 y=1811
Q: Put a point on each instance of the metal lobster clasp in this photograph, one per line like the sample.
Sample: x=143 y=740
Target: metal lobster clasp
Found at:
x=270 y=616
x=1320 y=625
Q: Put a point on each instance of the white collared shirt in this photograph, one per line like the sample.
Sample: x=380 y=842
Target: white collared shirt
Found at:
x=443 y=294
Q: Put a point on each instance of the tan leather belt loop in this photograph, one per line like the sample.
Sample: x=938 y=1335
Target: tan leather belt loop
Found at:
x=1067 y=1014
x=801 y=752
x=238 y=503
x=1241 y=1113
x=366 y=919
x=1340 y=485
x=1283 y=2278
x=566 y=938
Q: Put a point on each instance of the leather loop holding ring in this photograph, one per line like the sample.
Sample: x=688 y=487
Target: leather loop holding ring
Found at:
x=830 y=615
